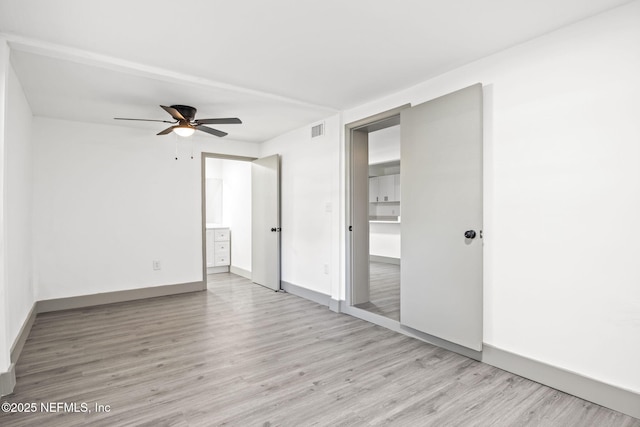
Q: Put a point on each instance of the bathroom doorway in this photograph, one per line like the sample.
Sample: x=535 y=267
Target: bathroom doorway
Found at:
x=227 y=213
x=241 y=217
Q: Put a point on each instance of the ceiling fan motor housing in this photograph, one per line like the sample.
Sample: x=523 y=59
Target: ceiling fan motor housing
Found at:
x=187 y=112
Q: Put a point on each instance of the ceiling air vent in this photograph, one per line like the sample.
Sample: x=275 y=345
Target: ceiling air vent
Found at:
x=317 y=130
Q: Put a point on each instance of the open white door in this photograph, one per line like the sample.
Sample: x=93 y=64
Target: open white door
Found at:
x=441 y=274
x=265 y=222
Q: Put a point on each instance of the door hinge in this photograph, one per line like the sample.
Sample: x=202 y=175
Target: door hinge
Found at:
x=351 y=228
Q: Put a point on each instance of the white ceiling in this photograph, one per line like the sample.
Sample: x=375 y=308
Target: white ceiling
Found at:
x=277 y=64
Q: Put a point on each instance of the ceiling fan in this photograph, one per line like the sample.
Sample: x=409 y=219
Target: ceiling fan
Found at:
x=185 y=123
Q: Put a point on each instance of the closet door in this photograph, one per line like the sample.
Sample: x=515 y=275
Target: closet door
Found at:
x=441 y=274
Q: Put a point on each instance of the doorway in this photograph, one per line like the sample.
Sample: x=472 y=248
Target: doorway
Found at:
x=384 y=219
x=241 y=217
x=440 y=172
x=227 y=212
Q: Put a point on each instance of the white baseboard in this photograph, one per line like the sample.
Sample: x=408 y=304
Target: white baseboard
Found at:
x=81 y=301
x=216 y=270
x=240 y=272
x=23 y=334
x=8 y=380
x=317 y=297
x=385 y=259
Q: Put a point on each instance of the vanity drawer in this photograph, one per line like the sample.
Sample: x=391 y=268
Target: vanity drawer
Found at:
x=221 y=248
x=221 y=260
x=221 y=235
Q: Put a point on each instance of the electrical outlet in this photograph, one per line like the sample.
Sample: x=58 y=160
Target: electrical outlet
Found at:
x=156 y=264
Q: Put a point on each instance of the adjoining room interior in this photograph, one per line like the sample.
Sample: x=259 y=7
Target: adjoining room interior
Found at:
x=228 y=216
x=384 y=222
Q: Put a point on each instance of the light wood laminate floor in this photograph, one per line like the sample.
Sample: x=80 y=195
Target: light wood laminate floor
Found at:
x=243 y=355
x=384 y=290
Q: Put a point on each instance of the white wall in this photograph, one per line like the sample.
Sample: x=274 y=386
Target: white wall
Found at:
x=17 y=294
x=110 y=199
x=310 y=206
x=236 y=210
x=213 y=190
x=384 y=145
x=16 y=286
x=18 y=173
x=384 y=239
x=5 y=344
x=213 y=168
x=562 y=194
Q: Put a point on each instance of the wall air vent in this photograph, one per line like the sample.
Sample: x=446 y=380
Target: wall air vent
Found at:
x=317 y=130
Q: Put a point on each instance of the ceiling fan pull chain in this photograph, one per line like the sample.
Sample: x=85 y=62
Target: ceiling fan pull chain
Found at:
x=192 y=144
x=176 y=138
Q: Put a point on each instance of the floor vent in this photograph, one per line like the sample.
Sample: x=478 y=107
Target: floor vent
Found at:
x=317 y=130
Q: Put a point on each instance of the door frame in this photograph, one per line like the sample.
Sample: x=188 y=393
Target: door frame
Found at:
x=203 y=202
x=369 y=124
x=376 y=122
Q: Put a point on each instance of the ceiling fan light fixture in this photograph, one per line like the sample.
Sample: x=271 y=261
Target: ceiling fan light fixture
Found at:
x=185 y=117
x=184 y=130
